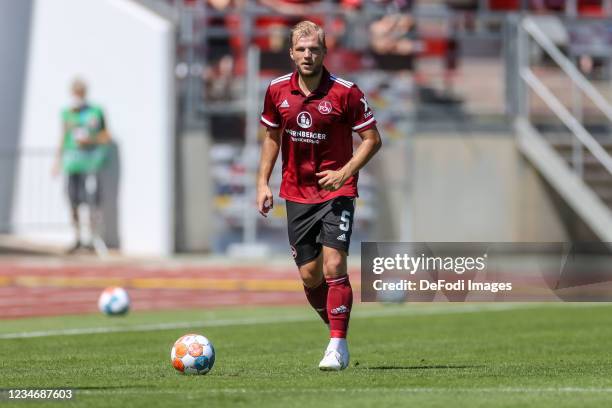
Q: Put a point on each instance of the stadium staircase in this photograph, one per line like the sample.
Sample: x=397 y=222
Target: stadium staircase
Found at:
x=577 y=164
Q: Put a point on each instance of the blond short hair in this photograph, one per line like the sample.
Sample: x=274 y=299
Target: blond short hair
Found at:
x=304 y=28
x=78 y=85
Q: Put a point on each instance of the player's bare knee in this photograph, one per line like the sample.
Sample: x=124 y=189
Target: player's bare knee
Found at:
x=311 y=279
x=334 y=264
x=311 y=274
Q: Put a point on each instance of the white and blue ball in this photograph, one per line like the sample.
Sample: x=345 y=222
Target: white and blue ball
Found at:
x=193 y=354
x=114 y=301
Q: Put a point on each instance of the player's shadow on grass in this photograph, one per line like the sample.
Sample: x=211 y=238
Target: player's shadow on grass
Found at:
x=419 y=367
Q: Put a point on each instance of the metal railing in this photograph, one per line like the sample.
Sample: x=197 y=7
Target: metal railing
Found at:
x=581 y=137
x=38 y=200
x=33 y=198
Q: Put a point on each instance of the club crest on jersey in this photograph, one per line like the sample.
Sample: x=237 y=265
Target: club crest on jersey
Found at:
x=304 y=120
x=325 y=107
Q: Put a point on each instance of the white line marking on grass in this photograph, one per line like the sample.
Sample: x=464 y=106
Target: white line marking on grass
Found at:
x=357 y=314
x=432 y=390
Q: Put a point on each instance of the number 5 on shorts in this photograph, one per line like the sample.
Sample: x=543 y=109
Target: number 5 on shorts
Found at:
x=346 y=220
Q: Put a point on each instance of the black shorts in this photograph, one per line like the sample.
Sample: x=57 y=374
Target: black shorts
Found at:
x=311 y=226
x=84 y=188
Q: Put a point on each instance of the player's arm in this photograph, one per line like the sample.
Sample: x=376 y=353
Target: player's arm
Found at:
x=332 y=180
x=103 y=137
x=269 y=152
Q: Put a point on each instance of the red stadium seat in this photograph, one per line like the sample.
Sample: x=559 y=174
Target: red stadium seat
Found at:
x=499 y=5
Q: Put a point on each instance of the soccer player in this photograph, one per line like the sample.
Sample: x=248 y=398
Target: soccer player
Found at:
x=311 y=114
x=82 y=153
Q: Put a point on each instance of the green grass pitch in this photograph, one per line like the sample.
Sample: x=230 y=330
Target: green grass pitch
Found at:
x=441 y=355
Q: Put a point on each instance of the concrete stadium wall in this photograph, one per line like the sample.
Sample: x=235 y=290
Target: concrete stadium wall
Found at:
x=14 y=35
x=126 y=54
x=195 y=193
x=470 y=187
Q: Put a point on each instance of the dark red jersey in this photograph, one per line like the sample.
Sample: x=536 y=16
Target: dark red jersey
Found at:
x=316 y=132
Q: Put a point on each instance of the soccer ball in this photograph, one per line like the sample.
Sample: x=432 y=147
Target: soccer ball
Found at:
x=193 y=354
x=114 y=301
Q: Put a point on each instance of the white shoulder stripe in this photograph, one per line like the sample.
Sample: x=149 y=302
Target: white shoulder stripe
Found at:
x=282 y=76
x=335 y=78
x=267 y=122
x=342 y=81
x=281 y=79
x=367 y=122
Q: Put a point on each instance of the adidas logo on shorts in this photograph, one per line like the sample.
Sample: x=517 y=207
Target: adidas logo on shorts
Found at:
x=342 y=238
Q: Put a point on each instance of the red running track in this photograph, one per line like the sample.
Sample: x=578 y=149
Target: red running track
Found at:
x=19 y=300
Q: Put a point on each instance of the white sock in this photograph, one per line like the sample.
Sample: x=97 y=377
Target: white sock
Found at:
x=337 y=344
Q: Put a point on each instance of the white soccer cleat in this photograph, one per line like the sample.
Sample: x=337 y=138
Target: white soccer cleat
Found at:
x=334 y=360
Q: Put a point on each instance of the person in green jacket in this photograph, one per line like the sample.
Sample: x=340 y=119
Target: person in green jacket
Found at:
x=82 y=153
